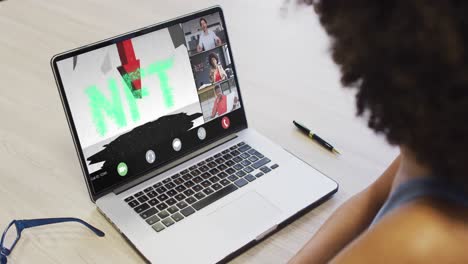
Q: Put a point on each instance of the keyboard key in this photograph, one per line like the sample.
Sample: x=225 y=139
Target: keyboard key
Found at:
x=143 y=198
x=187 y=177
x=152 y=194
x=200 y=196
x=265 y=169
x=153 y=202
x=201 y=163
x=141 y=208
x=220 y=161
x=227 y=157
x=240 y=182
x=244 y=148
x=233 y=178
x=180 y=188
x=161 y=190
x=172 y=209
x=195 y=173
x=245 y=156
x=163 y=214
x=190 y=200
x=206 y=183
x=152 y=220
x=175 y=176
x=169 y=185
x=167 y=180
x=171 y=201
x=214 y=171
x=204 y=168
x=197 y=188
x=214 y=179
x=225 y=182
x=246 y=163
x=178 y=181
x=138 y=194
x=238 y=167
x=230 y=171
x=212 y=165
x=258 y=175
x=162 y=197
x=177 y=217
x=260 y=163
x=209 y=159
x=214 y=197
x=168 y=222
x=274 y=166
x=241 y=144
x=230 y=163
x=182 y=204
x=222 y=175
x=188 y=192
x=216 y=186
x=222 y=167
x=259 y=155
x=233 y=147
x=193 y=167
x=189 y=184
x=237 y=159
x=171 y=193
x=180 y=197
x=161 y=206
x=184 y=172
x=158 y=227
x=250 y=177
x=206 y=175
x=159 y=184
x=197 y=179
x=241 y=173
x=253 y=159
x=225 y=151
x=187 y=211
x=248 y=169
x=128 y=199
x=251 y=151
x=148 y=189
x=148 y=213
x=208 y=191
x=218 y=155
x=133 y=203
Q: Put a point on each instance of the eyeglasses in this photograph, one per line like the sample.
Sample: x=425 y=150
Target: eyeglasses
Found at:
x=8 y=241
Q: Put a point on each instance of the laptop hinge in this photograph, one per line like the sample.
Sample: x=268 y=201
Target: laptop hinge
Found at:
x=173 y=164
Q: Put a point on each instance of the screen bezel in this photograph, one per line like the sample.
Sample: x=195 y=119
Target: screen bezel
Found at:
x=113 y=40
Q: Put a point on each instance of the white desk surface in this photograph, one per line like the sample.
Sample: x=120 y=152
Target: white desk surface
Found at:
x=285 y=73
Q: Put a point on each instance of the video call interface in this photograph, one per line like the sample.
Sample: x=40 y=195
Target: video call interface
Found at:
x=143 y=101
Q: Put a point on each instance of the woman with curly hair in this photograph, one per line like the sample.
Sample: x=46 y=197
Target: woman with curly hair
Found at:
x=408 y=61
x=217 y=72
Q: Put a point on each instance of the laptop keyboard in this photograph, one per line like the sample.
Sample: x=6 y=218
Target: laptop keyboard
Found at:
x=179 y=196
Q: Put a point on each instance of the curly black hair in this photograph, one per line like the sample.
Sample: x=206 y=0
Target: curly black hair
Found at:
x=210 y=59
x=408 y=60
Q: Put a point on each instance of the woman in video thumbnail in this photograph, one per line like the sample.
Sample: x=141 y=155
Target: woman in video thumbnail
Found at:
x=220 y=103
x=208 y=39
x=217 y=72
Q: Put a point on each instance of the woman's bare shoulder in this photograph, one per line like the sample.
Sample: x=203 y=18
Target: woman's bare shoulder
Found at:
x=423 y=231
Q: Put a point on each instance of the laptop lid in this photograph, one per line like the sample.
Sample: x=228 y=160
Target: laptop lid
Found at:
x=141 y=100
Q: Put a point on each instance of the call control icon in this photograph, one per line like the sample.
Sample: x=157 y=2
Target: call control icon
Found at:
x=150 y=156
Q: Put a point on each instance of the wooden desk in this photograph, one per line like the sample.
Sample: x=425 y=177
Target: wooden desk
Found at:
x=285 y=74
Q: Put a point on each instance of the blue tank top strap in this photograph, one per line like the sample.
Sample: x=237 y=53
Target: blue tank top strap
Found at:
x=435 y=187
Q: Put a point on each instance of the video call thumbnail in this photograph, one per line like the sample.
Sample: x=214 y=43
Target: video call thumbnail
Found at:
x=204 y=33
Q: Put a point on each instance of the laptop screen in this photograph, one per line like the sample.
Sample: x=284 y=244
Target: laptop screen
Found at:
x=142 y=100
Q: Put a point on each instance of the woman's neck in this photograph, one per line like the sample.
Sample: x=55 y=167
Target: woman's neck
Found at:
x=409 y=169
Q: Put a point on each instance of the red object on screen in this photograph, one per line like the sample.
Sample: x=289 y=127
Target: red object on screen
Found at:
x=130 y=64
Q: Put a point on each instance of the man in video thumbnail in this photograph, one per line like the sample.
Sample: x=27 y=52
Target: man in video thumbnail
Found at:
x=220 y=103
x=208 y=39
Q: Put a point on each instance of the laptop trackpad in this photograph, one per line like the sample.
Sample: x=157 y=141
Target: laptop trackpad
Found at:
x=244 y=217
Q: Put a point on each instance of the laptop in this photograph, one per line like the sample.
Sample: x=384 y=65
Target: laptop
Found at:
x=171 y=161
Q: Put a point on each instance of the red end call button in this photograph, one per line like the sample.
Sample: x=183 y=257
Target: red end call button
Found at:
x=225 y=122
